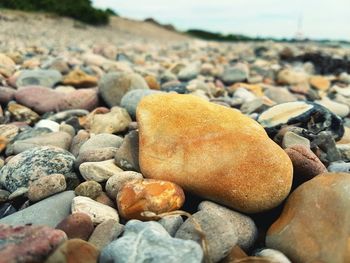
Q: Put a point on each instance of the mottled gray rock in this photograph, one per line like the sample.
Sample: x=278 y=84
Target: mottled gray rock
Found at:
x=243 y=225
x=49 y=211
x=105 y=233
x=89 y=189
x=189 y=72
x=35 y=163
x=220 y=238
x=46 y=186
x=149 y=242
x=131 y=99
x=113 y=86
x=127 y=156
x=171 y=224
x=39 y=77
x=237 y=73
x=339 y=167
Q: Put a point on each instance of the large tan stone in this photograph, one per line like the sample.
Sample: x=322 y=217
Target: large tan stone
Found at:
x=314 y=225
x=213 y=151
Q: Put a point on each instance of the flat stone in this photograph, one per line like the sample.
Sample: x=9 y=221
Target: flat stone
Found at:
x=34 y=163
x=290 y=139
x=28 y=243
x=79 y=79
x=46 y=186
x=22 y=113
x=49 y=211
x=39 y=77
x=99 y=171
x=317 y=209
x=243 y=225
x=149 y=242
x=220 y=238
x=172 y=149
x=105 y=233
x=98 y=212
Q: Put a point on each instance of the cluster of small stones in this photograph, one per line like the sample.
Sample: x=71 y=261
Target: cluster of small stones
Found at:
x=188 y=152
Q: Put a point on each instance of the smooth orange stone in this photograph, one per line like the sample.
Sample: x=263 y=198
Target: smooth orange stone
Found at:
x=320 y=82
x=155 y=196
x=256 y=89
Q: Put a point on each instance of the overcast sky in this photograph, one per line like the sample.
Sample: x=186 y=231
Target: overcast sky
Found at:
x=278 y=18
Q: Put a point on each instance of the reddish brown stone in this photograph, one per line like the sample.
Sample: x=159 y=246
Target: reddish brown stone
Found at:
x=77 y=225
x=28 y=243
x=156 y=196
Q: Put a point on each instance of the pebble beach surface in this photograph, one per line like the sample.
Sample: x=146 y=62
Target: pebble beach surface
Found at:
x=139 y=144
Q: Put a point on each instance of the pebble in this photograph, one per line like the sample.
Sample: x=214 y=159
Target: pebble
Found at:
x=6 y=94
x=309 y=215
x=79 y=79
x=306 y=165
x=34 y=163
x=339 y=109
x=273 y=255
x=171 y=224
x=148 y=195
x=117 y=181
x=89 y=189
x=149 y=241
x=105 y=233
x=132 y=98
x=291 y=139
x=99 y=171
x=98 y=212
x=117 y=120
x=46 y=186
x=243 y=225
x=339 y=167
x=165 y=125
x=237 y=73
x=319 y=82
x=77 y=225
x=28 y=243
x=22 y=113
x=49 y=211
x=127 y=155
x=74 y=250
x=38 y=77
x=113 y=86
x=220 y=238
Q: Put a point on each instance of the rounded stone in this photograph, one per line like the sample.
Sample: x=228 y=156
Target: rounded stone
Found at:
x=116 y=182
x=89 y=189
x=113 y=86
x=105 y=233
x=99 y=171
x=138 y=196
x=46 y=186
x=77 y=225
x=34 y=163
x=74 y=250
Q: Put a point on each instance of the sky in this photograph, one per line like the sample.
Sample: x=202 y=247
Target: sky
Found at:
x=318 y=19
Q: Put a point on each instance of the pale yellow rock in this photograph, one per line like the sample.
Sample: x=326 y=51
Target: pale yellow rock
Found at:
x=213 y=151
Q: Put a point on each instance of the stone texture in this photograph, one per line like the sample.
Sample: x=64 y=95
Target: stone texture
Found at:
x=149 y=242
x=28 y=243
x=319 y=82
x=46 y=186
x=89 y=189
x=311 y=227
x=290 y=139
x=57 y=139
x=138 y=196
x=39 y=77
x=74 y=250
x=116 y=182
x=99 y=171
x=97 y=211
x=127 y=156
x=243 y=225
x=79 y=79
x=22 y=113
x=220 y=238
x=219 y=158
x=117 y=120
x=171 y=224
x=77 y=225
x=113 y=86
x=32 y=164
x=105 y=233
x=306 y=164
x=49 y=211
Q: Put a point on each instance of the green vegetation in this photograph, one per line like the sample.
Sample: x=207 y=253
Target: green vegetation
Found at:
x=218 y=36
x=78 y=9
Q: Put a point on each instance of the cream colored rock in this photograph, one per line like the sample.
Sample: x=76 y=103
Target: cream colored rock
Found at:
x=98 y=212
x=99 y=171
x=213 y=151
